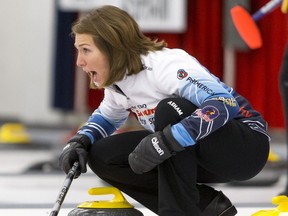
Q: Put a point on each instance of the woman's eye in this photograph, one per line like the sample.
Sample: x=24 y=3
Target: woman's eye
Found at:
x=85 y=50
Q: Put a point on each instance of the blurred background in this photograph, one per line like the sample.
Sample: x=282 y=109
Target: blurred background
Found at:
x=45 y=98
x=40 y=83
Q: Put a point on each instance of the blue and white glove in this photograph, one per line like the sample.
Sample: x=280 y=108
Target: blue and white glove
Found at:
x=153 y=150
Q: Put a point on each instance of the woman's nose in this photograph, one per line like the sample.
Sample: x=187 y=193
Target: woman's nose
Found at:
x=80 y=62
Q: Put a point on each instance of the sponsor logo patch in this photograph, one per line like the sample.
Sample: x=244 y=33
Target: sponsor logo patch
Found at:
x=155 y=143
x=175 y=107
x=208 y=113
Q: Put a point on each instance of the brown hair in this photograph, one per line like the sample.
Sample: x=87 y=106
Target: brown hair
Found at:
x=118 y=36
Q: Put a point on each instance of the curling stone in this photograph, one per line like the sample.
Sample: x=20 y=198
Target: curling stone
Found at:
x=13 y=133
x=280 y=210
x=118 y=206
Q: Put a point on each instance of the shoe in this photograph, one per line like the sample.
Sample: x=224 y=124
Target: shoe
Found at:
x=220 y=206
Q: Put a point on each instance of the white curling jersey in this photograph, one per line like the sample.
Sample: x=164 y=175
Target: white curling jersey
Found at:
x=172 y=73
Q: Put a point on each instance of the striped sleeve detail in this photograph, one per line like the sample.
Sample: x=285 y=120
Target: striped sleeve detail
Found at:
x=97 y=127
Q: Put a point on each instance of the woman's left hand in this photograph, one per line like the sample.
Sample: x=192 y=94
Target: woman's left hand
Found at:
x=153 y=150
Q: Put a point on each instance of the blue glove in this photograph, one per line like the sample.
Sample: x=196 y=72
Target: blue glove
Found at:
x=153 y=150
x=76 y=150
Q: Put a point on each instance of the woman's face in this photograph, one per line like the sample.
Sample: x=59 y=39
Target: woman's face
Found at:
x=91 y=59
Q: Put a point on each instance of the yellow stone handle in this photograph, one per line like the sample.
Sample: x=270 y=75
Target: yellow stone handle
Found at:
x=118 y=201
x=118 y=197
x=282 y=202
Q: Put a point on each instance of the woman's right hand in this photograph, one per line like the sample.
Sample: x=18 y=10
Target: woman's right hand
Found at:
x=71 y=153
x=75 y=150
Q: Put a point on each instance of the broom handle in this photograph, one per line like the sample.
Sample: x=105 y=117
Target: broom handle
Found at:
x=65 y=187
x=267 y=8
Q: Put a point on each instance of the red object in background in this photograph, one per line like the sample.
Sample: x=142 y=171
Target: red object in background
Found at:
x=246 y=27
x=95 y=97
x=257 y=71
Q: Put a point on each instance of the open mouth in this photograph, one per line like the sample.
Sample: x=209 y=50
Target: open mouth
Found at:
x=93 y=77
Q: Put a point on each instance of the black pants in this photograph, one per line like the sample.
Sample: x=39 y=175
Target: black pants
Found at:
x=234 y=152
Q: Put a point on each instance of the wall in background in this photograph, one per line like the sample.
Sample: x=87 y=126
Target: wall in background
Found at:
x=26 y=62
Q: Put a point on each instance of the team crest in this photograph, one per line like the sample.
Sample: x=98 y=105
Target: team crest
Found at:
x=208 y=113
x=181 y=74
